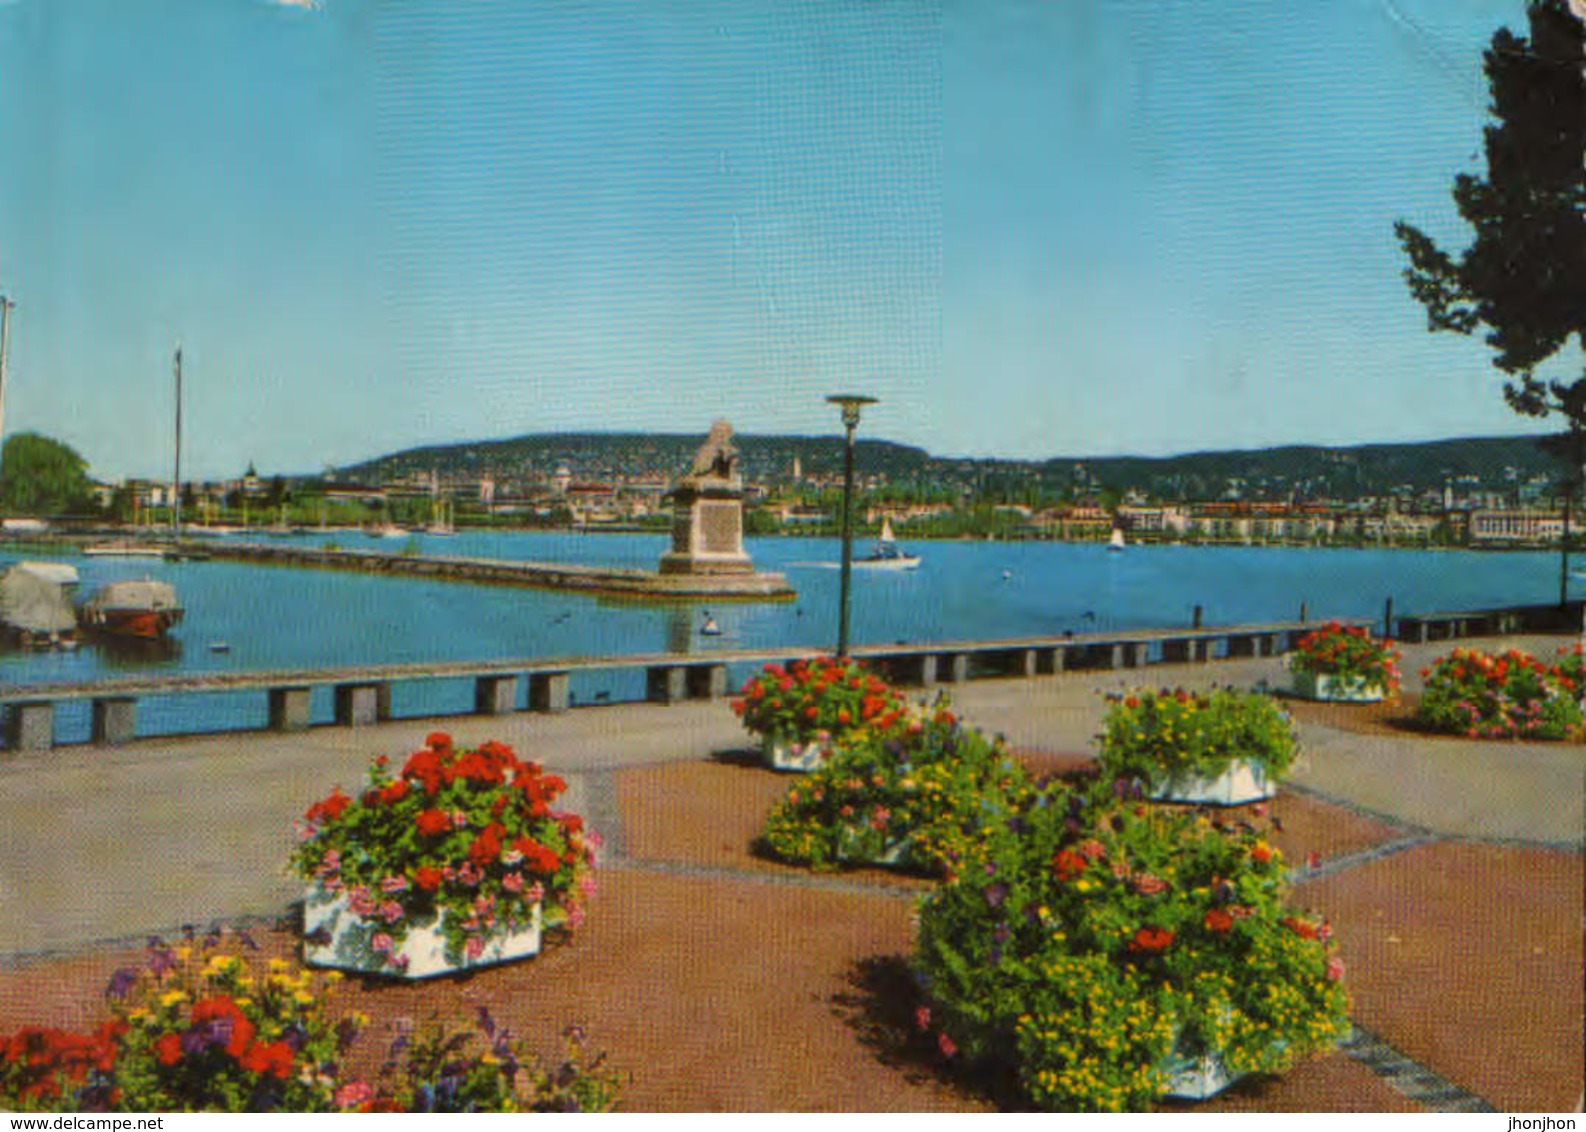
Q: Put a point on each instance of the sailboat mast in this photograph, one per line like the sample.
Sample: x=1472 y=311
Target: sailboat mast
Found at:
x=5 y=340
x=176 y=489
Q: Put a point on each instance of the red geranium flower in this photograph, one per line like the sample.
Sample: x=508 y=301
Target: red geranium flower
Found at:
x=274 y=1058
x=1151 y=940
x=1068 y=864
x=1218 y=920
x=220 y=1007
x=168 y=1048
x=432 y=822
x=328 y=809
x=486 y=848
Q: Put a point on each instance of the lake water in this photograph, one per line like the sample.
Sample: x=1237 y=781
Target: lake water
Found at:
x=279 y=617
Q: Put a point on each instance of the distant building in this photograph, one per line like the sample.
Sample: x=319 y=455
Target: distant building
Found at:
x=1511 y=525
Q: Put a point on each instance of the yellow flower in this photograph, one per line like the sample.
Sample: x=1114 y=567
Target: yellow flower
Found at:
x=184 y=953
x=172 y=997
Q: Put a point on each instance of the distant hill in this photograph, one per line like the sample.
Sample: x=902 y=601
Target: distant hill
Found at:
x=1312 y=471
x=593 y=455
x=1296 y=471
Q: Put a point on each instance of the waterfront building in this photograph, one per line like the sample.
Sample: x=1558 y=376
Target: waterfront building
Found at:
x=1515 y=526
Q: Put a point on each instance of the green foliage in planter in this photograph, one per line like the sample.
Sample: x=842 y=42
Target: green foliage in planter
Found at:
x=924 y=792
x=1509 y=695
x=1080 y=943
x=1158 y=736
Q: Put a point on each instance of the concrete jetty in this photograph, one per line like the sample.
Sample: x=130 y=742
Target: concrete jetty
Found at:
x=601 y=580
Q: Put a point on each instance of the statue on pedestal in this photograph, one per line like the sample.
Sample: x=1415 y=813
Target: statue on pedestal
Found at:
x=707 y=512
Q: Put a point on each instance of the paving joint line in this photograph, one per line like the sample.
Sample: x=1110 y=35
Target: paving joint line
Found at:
x=1404 y=1074
x=783 y=880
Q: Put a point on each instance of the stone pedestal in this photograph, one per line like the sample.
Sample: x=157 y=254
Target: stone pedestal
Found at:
x=707 y=512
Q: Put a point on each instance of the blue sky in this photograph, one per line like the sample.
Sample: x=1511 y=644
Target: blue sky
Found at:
x=1031 y=228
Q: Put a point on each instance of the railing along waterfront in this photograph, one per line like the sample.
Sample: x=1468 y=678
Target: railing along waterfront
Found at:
x=361 y=695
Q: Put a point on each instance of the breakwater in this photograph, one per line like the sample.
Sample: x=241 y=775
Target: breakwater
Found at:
x=601 y=580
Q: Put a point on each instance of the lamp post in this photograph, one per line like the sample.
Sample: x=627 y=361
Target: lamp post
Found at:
x=850 y=403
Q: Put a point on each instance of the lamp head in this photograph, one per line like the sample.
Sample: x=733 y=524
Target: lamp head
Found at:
x=851 y=403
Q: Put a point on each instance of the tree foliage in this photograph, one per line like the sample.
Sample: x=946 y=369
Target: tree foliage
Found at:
x=1523 y=277
x=40 y=476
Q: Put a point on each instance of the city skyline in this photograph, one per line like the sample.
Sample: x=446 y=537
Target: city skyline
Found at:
x=1032 y=230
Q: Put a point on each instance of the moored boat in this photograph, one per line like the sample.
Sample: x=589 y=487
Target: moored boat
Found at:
x=145 y=609
x=34 y=610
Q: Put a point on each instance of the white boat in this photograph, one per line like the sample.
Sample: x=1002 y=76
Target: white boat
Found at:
x=388 y=530
x=887 y=555
x=124 y=550
x=1116 y=542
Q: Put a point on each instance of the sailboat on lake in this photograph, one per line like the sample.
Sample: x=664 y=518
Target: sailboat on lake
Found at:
x=887 y=555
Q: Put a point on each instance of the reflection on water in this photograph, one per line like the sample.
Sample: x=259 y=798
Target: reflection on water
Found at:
x=134 y=654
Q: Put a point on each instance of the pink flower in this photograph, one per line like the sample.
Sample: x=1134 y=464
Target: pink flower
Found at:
x=922 y=1018
x=534 y=893
x=575 y=917
x=391 y=911
x=360 y=902
x=511 y=857
x=353 y=1094
x=586 y=885
x=381 y=942
x=512 y=882
x=945 y=1044
x=1147 y=885
x=459 y=819
x=1335 y=968
x=393 y=884
x=593 y=837
x=474 y=948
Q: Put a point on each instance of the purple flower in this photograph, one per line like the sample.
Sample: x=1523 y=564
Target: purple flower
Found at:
x=996 y=893
x=121 y=982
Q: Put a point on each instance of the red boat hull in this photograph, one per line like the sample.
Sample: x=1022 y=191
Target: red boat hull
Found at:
x=144 y=624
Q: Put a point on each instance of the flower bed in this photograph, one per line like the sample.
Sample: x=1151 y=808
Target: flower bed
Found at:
x=460 y=845
x=1509 y=695
x=802 y=712
x=1181 y=746
x=204 y=1026
x=1101 y=954
x=1344 y=663
x=910 y=799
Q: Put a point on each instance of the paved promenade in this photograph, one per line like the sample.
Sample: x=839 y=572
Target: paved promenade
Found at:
x=1452 y=870
x=108 y=843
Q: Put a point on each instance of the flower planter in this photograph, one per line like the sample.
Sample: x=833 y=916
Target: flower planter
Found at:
x=787 y=754
x=1338 y=690
x=335 y=937
x=1242 y=782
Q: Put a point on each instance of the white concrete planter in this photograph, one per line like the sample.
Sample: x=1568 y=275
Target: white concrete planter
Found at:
x=892 y=854
x=1332 y=689
x=1241 y=782
x=1197 y=1079
x=786 y=754
x=349 y=946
